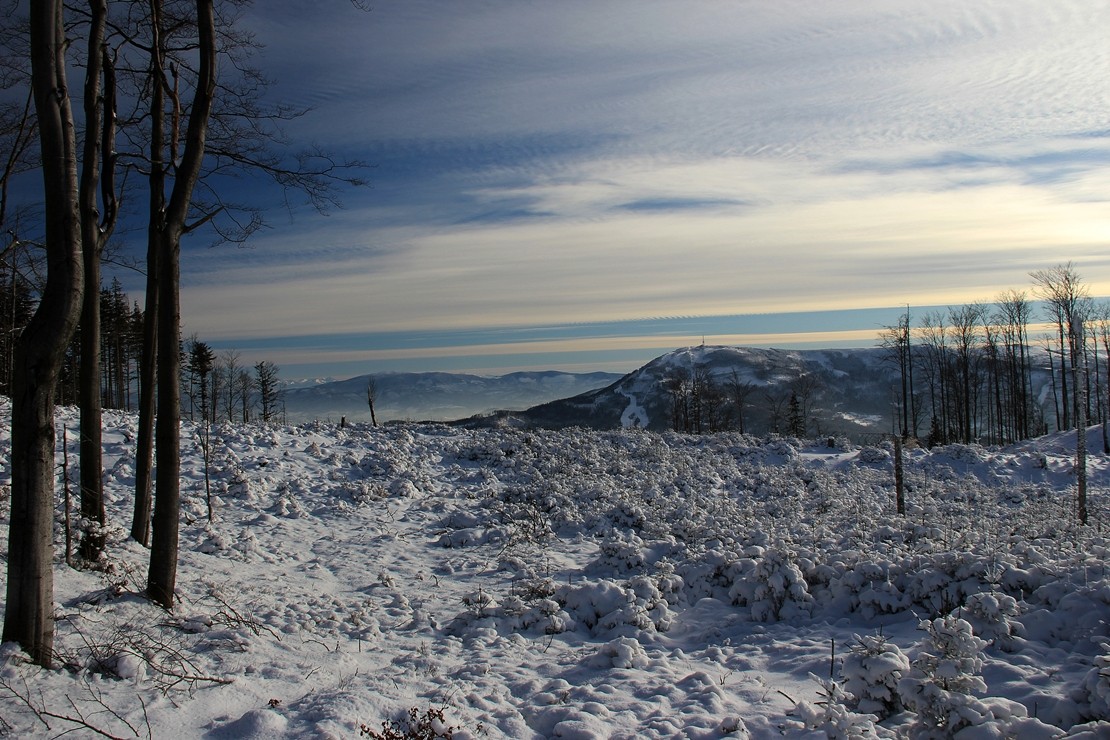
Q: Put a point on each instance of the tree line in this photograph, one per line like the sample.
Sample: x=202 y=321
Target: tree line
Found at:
x=967 y=374
x=238 y=392
x=156 y=127
x=1029 y=362
x=701 y=403
x=977 y=363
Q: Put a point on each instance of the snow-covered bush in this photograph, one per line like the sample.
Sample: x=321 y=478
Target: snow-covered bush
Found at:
x=623 y=652
x=605 y=606
x=873 y=455
x=1096 y=685
x=866 y=586
x=771 y=584
x=832 y=716
x=942 y=678
x=622 y=551
x=871 y=672
x=993 y=617
x=941 y=582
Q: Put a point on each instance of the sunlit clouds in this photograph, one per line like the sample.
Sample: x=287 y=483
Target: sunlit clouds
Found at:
x=551 y=164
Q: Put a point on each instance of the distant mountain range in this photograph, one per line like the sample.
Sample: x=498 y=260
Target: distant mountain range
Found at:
x=847 y=392
x=434 y=396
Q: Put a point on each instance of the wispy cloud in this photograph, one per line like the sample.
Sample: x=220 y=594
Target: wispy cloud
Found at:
x=541 y=164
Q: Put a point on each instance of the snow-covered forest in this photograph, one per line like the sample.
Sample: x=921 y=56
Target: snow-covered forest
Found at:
x=524 y=583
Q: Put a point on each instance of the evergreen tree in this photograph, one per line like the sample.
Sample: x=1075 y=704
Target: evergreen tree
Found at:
x=795 y=421
x=266 y=379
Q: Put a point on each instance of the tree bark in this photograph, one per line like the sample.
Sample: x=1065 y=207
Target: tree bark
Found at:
x=144 y=455
x=148 y=362
x=162 y=574
x=99 y=133
x=1079 y=390
x=39 y=351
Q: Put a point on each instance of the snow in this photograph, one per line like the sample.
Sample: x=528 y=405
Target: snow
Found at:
x=634 y=415
x=577 y=584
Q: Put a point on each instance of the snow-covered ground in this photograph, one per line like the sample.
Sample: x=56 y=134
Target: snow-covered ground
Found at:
x=529 y=584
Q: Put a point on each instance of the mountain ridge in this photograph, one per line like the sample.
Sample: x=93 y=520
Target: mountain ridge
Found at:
x=850 y=396
x=434 y=395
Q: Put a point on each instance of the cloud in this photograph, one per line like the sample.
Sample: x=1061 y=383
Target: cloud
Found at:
x=608 y=160
x=813 y=241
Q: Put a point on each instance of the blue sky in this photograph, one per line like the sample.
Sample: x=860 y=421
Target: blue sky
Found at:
x=586 y=184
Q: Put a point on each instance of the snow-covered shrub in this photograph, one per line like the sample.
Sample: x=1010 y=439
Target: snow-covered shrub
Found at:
x=871 y=672
x=786 y=447
x=866 y=586
x=942 y=678
x=993 y=617
x=964 y=453
x=545 y=614
x=649 y=598
x=623 y=652
x=832 y=716
x=772 y=584
x=432 y=725
x=364 y=492
x=605 y=606
x=621 y=551
x=941 y=582
x=1096 y=685
x=628 y=515
x=480 y=602
x=873 y=455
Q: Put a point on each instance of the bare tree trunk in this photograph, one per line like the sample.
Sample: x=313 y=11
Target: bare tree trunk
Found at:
x=371 y=396
x=144 y=455
x=1063 y=382
x=99 y=134
x=148 y=360
x=39 y=351
x=1079 y=390
x=162 y=574
x=899 y=477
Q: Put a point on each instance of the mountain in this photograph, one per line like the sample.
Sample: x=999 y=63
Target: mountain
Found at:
x=850 y=389
x=435 y=396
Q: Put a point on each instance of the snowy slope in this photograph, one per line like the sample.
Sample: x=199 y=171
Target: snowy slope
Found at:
x=853 y=388
x=580 y=585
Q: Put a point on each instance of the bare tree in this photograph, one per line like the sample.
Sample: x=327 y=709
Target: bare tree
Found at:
x=966 y=332
x=1102 y=336
x=777 y=406
x=934 y=336
x=28 y=613
x=1063 y=290
x=245 y=386
x=678 y=385
x=1014 y=317
x=202 y=362
x=229 y=369
x=371 y=397
x=168 y=223
x=239 y=133
x=97 y=172
x=805 y=388
x=897 y=340
x=1078 y=341
x=1069 y=304
x=739 y=391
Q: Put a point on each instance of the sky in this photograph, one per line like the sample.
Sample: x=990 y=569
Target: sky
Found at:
x=587 y=184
